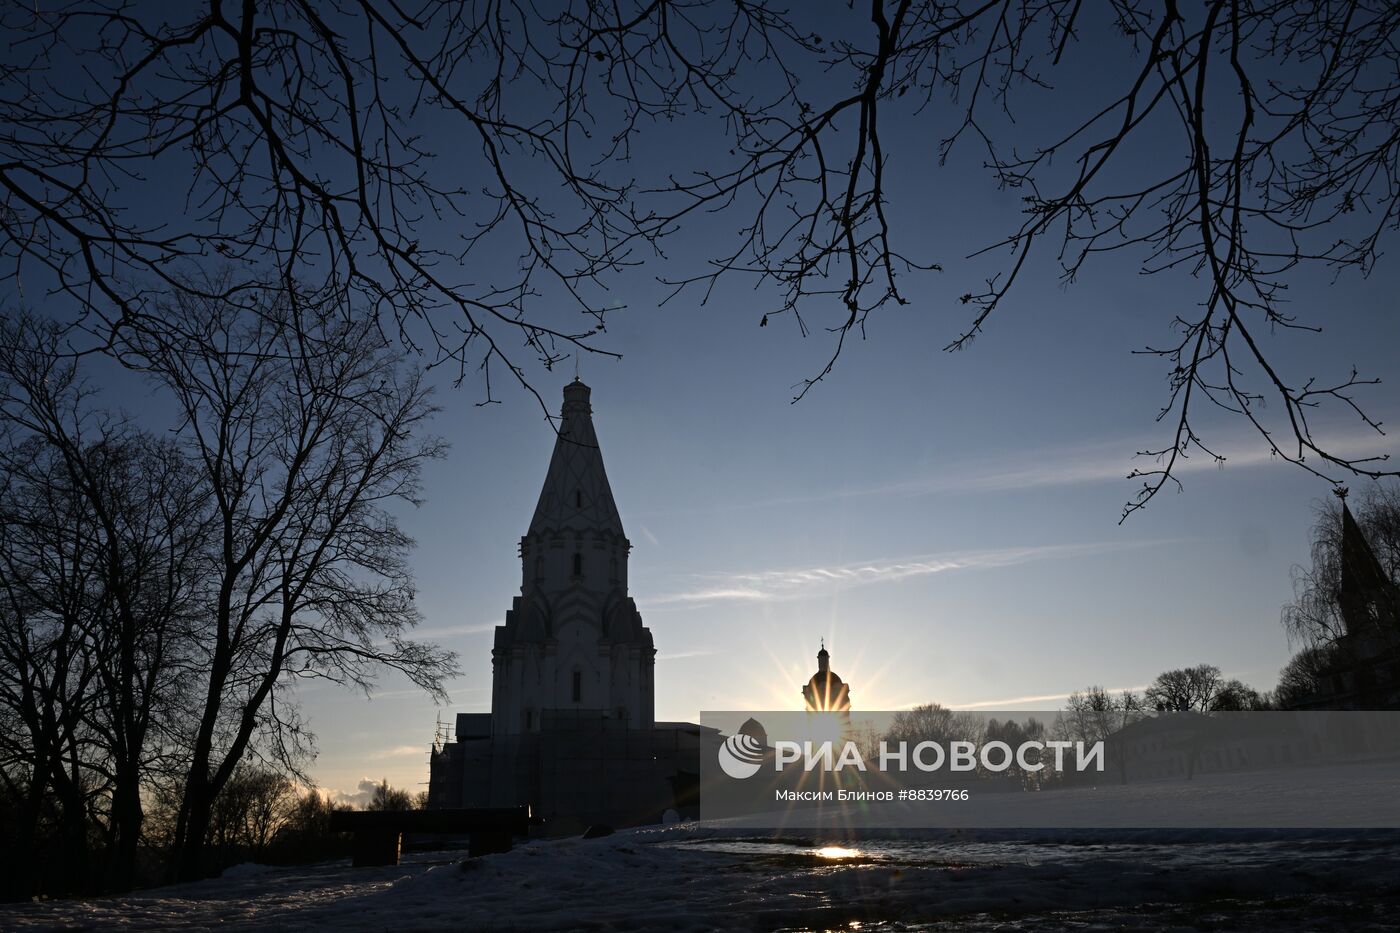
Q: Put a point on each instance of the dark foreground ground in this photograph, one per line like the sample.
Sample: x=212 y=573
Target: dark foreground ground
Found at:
x=691 y=878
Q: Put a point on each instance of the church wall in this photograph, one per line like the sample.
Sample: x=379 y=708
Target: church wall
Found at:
x=547 y=563
x=594 y=769
x=476 y=773
x=514 y=770
x=572 y=661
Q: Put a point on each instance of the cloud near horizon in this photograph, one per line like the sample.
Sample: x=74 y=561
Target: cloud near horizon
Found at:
x=358 y=799
x=398 y=751
x=447 y=631
x=1044 y=697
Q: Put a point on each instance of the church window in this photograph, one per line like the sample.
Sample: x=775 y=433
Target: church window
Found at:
x=578 y=564
x=529 y=720
x=578 y=499
x=578 y=686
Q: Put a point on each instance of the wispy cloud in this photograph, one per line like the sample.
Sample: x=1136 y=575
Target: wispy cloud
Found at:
x=398 y=751
x=1101 y=461
x=680 y=655
x=449 y=631
x=1107 y=461
x=646 y=533
x=802 y=582
x=1042 y=698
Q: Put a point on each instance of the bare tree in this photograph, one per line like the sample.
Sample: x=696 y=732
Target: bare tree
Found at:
x=308 y=133
x=108 y=522
x=251 y=808
x=50 y=551
x=304 y=429
x=1015 y=734
x=932 y=722
x=391 y=798
x=1305 y=675
x=1236 y=696
x=1094 y=715
x=1186 y=689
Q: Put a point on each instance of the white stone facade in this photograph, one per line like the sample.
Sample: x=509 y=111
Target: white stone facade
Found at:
x=572 y=730
x=573 y=640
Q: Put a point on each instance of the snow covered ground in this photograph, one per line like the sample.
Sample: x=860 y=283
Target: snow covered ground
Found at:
x=699 y=878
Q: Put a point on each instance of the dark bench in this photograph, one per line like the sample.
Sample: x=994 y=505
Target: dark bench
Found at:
x=379 y=833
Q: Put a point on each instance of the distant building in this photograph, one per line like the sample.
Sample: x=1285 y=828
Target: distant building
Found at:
x=572 y=727
x=825 y=692
x=1364 y=661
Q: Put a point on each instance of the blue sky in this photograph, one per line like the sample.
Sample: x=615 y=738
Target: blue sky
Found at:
x=949 y=523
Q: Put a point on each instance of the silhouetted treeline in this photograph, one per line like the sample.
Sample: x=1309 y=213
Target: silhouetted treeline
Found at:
x=261 y=815
x=1089 y=715
x=165 y=582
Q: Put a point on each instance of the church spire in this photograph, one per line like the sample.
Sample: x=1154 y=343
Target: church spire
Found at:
x=1368 y=596
x=576 y=495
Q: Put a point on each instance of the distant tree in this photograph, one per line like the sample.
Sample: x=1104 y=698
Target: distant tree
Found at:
x=1184 y=689
x=1236 y=696
x=390 y=798
x=254 y=804
x=306 y=834
x=867 y=737
x=1015 y=734
x=1305 y=675
x=1094 y=714
x=310 y=141
x=932 y=722
x=311 y=815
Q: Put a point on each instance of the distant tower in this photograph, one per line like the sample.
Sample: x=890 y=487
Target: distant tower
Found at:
x=825 y=692
x=573 y=639
x=1370 y=600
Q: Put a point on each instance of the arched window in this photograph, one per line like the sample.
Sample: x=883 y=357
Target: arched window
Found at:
x=578 y=686
x=578 y=564
x=578 y=499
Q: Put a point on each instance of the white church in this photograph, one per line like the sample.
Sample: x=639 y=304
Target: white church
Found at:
x=572 y=728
